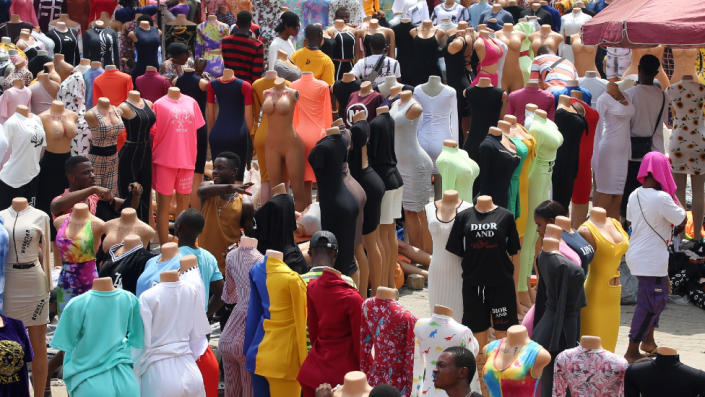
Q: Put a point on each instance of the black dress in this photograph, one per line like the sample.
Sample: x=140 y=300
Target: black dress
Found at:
x=342 y=91
x=572 y=126
x=339 y=208
x=101 y=45
x=276 y=223
x=404 y=44
x=371 y=183
x=189 y=84
x=558 y=329
x=65 y=43
x=382 y=157
x=458 y=79
x=485 y=105
x=426 y=53
x=147 y=47
x=515 y=11
x=497 y=165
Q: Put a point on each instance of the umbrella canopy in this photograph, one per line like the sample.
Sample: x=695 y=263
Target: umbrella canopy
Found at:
x=646 y=23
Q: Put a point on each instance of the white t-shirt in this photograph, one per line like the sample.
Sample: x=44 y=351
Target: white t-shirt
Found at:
x=417 y=13
x=648 y=99
x=648 y=254
x=279 y=44
x=26 y=137
x=364 y=67
x=193 y=277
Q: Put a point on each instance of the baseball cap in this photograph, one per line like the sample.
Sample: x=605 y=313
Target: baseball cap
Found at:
x=325 y=239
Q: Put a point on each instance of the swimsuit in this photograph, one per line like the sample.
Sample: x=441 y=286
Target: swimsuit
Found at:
x=491 y=58
x=78 y=270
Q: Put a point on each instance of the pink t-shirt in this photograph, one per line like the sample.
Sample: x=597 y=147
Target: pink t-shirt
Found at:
x=11 y=98
x=175 y=132
x=517 y=101
x=568 y=252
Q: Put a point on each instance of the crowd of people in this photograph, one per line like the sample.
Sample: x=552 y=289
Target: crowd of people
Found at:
x=279 y=170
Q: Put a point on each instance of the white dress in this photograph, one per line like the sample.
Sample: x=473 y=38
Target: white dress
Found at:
x=439 y=121
x=686 y=148
x=571 y=23
x=414 y=165
x=445 y=275
x=612 y=145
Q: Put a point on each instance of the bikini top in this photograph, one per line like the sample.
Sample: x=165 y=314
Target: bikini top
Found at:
x=279 y=103
x=493 y=52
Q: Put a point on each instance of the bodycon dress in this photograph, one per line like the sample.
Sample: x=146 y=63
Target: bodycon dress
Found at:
x=353 y=186
x=52 y=179
x=524 y=184
x=406 y=51
x=426 y=58
x=439 y=121
x=548 y=140
x=345 y=51
x=135 y=157
x=146 y=46
x=342 y=91
x=313 y=114
x=103 y=151
x=414 y=165
x=258 y=135
x=499 y=164
x=493 y=54
x=190 y=84
x=582 y=189
x=601 y=315
x=458 y=171
x=486 y=106
x=383 y=160
x=612 y=145
x=445 y=275
x=78 y=270
x=371 y=183
x=339 y=208
x=457 y=76
x=573 y=127
x=514 y=199
x=230 y=133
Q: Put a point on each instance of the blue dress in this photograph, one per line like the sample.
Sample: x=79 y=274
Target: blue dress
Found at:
x=4 y=246
x=230 y=133
x=147 y=46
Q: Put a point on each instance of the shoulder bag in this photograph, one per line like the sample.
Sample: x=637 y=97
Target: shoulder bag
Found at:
x=669 y=247
x=375 y=71
x=642 y=145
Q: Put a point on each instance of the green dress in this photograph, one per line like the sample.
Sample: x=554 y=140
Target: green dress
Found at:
x=514 y=201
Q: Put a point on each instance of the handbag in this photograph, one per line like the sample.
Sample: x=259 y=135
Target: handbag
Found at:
x=642 y=145
x=375 y=71
x=672 y=265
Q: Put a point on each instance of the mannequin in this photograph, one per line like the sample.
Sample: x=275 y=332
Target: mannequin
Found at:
x=571 y=23
x=101 y=44
x=51 y=71
x=209 y=42
x=366 y=100
x=398 y=337
x=106 y=127
x=683 y=63
x=646 y=379
x=386 y=88
x=573 y=126
x=476 y=11
x=344 y=53
x=365 y=34
x=63 y=68
x=425 y=51
x=66 y=42
x=499 y=154
x=229 y=133
x=125 y=263
x=457 y=169
x=592 y=82
x=28 y=44
x=283 y=147
x=545 y=36
x=27 y=281
x=341 y=91
x=489 y=54
x=609 y=242
x=354 y=385
x=146 y=40
x=455 y=55
x=486 y=102
x=584 y=55
x=180 y=30
x=439 y=103
x=515 y=350
x=576 y=242
x=632 y=71
x=512 y=77
x=117 y=230
x=16 y=95
x=44 y=93
x=461 y=28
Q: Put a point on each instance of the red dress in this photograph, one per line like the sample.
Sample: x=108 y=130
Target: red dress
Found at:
x=334 y=312
x=583 y=181
x=389 y=328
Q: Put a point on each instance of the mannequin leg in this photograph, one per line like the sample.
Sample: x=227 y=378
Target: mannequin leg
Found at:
x=681 y=182
x=265 y=192
x=540 y=181
x=374 y=262
x=426 y=234
x=295 y=169
x=194 y=200
x=37 y=338
x=163 y=201
x=438 y=186
x=578 y=214
x=393 y=253
x=516 y=260
x=414 y=254
x=412 y=226
x=698 y=182
x=284 y=388
x=383 y=244
x=363 y=269
x=482 y=340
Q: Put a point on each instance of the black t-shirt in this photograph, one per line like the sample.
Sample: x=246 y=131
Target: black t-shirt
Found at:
x=125 y=269
x=483 y=241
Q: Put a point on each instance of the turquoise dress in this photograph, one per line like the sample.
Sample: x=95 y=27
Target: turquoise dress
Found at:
x=514 y=202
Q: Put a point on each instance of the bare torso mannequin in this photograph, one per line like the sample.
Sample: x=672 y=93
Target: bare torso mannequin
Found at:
x=584 y=55
x=598 y=217
x=633 y=68
x=545 y=36
x=26 y=40
x=683 y=63
x=79 y=218
x=374 y=27
x=450 y=201
x=62 y=67
x=354 y=385
x=66 y=20
x=117 y=229
x=60 y=127
x=512 y=77
x=129 y=242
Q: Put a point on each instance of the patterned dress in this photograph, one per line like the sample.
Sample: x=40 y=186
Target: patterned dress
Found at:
x=125 y=47
x=589 y=373
x=72 y=93
x=237 y=290
x=388 y=328
x=103 y=153
x=315 y=11
x=357 y=15
x=266 y=12
x=208 y=43
x=686 y=148
x=236 y=6
x=78 y=271
x=180 y=34
x=516 y=379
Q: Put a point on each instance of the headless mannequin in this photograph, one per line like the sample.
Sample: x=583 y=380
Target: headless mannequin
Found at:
x=564 y=223
x=355 y=385
x=433 y=88
x=63 y=68
x=79 y=218
x=103 y=106
x=514 y=127
x=462 y=25
x=169 y=251
x=60 y=127
x=135 y=99
x=144 y=25
x=116 y=230
x=683 y=63
x=598 y=217
x=512 y=77
x=481 y=51
x=545 y=36
x=447 y=205
x=67 y=22
x=187 y=262
x=131 y=241
x=612 y=202
x=51 y=86
x=374 y=27
x=27 y=40
x=266 y=187
x=584 y=55
x=169 y=276
x=656 y=51
x=427 y=30
x=284 y=148
x=104 y=284
x=51 y=71
x=594 y=342
x=386 y=87
x=273 y=253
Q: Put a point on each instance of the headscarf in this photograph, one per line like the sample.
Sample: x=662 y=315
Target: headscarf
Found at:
x=659 y=167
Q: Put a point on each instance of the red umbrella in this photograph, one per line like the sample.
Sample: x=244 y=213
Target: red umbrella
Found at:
x=646 y=23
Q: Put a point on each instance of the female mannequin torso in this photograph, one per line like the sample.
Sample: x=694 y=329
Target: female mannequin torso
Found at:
x=512 y=77
x=545 y=36
x=683 y=63
x=584 y=55
x=633 y=68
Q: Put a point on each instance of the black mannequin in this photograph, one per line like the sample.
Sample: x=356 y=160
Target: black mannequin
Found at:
x=498 y=160
x=572 y=126
x=665 y=376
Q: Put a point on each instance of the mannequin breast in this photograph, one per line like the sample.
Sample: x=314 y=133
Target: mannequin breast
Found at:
x=683 y=63
x=59 y=133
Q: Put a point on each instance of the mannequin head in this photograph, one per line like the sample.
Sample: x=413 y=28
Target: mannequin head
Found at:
x=178 y=53
x=648 y=69
x=546 y=213
x=289 y=25
x=225 y=168
x=323 y=249
x=79 y=171
x=454 y=370
x=188 y=226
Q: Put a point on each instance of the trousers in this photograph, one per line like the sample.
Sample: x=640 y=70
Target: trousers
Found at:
x=651 y=299
x=540 y=182
x=274 y=387
x=208 y=365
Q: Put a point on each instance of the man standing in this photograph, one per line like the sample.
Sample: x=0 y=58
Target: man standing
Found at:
x=312 y=59
x=241 y=52
x=551 y=71
x=388 y=66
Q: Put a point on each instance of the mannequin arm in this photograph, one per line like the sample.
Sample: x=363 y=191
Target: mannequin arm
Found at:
x=248 y=117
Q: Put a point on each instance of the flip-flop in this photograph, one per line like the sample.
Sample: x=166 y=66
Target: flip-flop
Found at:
x=641 y=360
x=650 y=353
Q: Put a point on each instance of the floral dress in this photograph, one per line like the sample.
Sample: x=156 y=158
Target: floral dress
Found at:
x=208 y=43
x=78 y=270
x=180 y=34
x=593 y=373
x=266 y=12
x=388 y=328
x=126 y=47
x=72 y=92
x=686 y=149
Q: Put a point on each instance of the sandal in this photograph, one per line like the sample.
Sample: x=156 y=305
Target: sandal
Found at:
x=650 y=353
x=641 y=360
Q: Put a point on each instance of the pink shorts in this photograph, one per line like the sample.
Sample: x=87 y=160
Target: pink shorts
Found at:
x=166 y=179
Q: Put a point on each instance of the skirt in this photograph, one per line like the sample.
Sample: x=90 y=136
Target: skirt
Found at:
x=26 y=296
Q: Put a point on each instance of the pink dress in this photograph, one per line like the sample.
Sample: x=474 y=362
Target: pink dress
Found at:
x=493 y=53
x=25 y=9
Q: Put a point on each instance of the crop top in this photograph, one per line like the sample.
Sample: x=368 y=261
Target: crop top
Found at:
x=25 y=228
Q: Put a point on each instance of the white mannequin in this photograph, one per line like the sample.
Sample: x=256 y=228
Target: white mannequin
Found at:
x=385 y=88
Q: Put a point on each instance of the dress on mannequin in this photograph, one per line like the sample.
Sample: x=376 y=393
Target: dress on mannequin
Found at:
x=78 y=269
x=124 y=269
x=4 y=248
x=414 y=165
x=602 y=373
x=370 y=181
x=601 y=316
x=445 y=275
x=72 y=92
x=456 y=73
x=146 y=46
x=354 y=186
x=276 y=225
x=426 y=59
x=580 y=246
x=516 y=379
x=344 y=49
x=103 y=153
x=342 y=91
x=230 y=132
x=688 y=133
x=189 y=84
x=278 y=295
x=439 y=120
x=135 y=157
x=573 y=127
x=458 y=172
x=334 y=322
x=485 y=106
x=493 y=54
x=664 y=375
x=406 y=50
x=17 y=178
x=499 y=164
x=514 y=185
x=208 y=43
x=367 y=103
x=312 y=114
x=612 y=145
x=387 y=326
x=87 y=370
x=101 y=44
x=571 y=23
x=383 y=160
x=582 y=188
x=339 y=208
x=237 y=290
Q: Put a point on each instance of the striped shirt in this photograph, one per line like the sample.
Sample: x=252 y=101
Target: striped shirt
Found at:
x=244 y=55
x=558 y=78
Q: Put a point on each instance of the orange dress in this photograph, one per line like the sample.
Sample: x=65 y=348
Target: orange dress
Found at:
x=313 y=114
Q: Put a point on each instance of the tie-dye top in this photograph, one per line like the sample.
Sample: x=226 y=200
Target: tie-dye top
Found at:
x=79 y=249
x=516 y=379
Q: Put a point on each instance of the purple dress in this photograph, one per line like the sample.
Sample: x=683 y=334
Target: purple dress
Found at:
x=209 y=38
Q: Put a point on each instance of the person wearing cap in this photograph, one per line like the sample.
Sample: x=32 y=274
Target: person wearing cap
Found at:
x=323 y=249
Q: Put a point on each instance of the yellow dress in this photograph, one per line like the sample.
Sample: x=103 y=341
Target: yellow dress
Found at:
x=524 y=184
x=260 y=127
x=601 y=315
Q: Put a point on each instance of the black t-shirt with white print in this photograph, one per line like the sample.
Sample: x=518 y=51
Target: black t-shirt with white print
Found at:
x=483 y=241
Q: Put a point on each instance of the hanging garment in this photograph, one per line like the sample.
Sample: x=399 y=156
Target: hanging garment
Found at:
x=49 y=10
x=72 y=92
x=439 y=120
x=277 y=224
x=312 y=115
x=26 y=139
x=103 y=153
x=485 y=106
x=601 y=373
x=516 y=379
x=458 y=172
x=387 y=326
x=208 y=42
x=78 y=270
x=612 y=145
x=499 y=164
